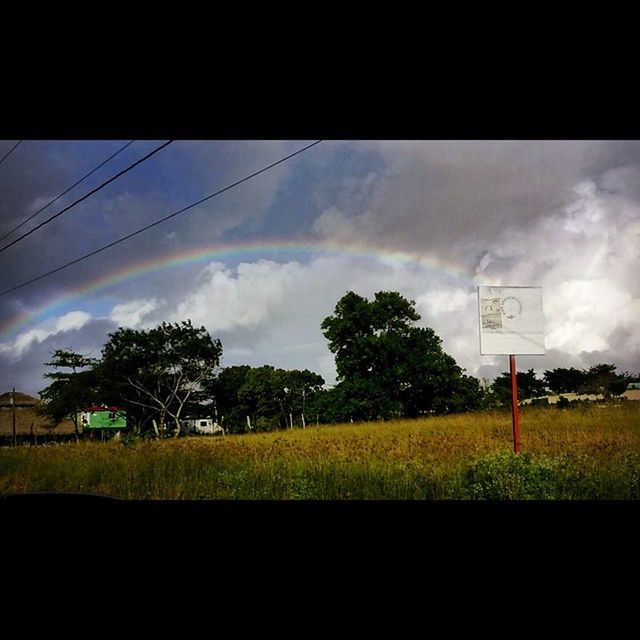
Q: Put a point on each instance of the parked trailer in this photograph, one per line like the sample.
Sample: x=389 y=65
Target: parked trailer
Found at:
x=207 y=426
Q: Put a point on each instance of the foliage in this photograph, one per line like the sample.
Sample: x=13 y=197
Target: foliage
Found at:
x=154 y=372
x=561 y=380
x=71 y=391
x=528 y=386
x=270 y=397
x=600 y=379
x=507 y=476
x=386 y=366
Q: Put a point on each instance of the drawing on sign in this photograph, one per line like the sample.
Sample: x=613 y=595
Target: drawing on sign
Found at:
x=491 y=314
x=511 y=320
x=511 y=307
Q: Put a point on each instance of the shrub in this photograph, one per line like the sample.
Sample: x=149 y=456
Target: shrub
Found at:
x=507 y=476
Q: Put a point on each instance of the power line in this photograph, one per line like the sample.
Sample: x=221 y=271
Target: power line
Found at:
x=157 y=222
x=73 y=204
x=6 y=155
x=75 y=184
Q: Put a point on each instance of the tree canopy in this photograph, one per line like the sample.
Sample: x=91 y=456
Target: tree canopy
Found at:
x=271 y=398
x=389 y=367
x=71 y=390
x=154 y=372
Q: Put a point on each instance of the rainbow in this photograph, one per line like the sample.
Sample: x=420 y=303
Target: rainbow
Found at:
x=252 y=251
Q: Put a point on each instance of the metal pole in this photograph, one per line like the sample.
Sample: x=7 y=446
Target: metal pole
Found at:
x=514 y=405
x=13 y=404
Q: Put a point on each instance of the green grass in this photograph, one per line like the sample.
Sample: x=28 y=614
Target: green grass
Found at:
x=586 y=453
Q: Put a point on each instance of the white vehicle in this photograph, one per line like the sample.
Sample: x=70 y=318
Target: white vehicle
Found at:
x=206 y=426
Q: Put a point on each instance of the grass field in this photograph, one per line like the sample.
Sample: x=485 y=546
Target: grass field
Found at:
x=579 y=453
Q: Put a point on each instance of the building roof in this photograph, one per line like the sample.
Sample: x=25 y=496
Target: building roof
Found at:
x=21 y=400
x=28 y=421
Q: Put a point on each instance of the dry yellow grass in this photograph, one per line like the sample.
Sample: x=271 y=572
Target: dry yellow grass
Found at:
x=573 y=453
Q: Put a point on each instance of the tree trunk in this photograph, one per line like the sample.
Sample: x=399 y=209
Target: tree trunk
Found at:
x=155 y=427
x=177 y=419
x=75 y=426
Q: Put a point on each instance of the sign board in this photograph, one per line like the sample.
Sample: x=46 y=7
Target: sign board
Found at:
x=511 y=320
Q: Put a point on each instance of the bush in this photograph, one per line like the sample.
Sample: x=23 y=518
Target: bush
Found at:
x=507 y=476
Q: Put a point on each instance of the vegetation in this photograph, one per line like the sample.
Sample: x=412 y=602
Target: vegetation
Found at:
x=387 y=367
x=271 y=398
x=580 y=453
x=153 y=373
x=600 y=379
x=71 y=391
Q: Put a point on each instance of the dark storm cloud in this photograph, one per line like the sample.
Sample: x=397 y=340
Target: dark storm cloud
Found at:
x=458 y=195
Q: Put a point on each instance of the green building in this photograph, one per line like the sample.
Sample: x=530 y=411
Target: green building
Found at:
x=102 y=418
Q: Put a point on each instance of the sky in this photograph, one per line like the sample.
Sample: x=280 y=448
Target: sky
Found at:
x=261 y=265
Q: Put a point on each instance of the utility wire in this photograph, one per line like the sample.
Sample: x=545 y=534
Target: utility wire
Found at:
x=157 y=222
x=75 y=184
x=73 y=204
x=6 y=155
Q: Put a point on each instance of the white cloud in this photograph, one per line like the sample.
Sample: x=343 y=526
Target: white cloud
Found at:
x=270 y=313
x=71 y=321
x=437 y=302
x=24 y=340
x=584 y=256
x=224 y=301
x=130 y=314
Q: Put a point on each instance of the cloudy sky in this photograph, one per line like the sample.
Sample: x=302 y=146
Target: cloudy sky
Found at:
x=262 y=264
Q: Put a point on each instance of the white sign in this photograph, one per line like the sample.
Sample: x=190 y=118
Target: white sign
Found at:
x=511 y=320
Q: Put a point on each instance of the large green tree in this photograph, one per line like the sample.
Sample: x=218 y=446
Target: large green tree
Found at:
x=562 y=380
x=388 y=367
x=154 y=372
x=603 y=379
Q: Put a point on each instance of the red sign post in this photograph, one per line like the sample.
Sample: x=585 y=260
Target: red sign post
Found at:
x=514 y=405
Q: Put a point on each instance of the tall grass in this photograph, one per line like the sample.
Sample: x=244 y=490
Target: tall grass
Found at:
x=587 y=453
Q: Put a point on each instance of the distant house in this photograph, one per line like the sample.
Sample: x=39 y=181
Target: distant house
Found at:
x=633 y=391
x=201 y=425
x=102 y=417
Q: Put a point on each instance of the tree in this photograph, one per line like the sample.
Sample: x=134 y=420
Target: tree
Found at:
x=561 y=380
x=154 y=372
x=269 y=396
x=603 y=379
x=528 y=386
x=386 y=366
x=71 y=391
x=223 y=389
x=298 y=387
